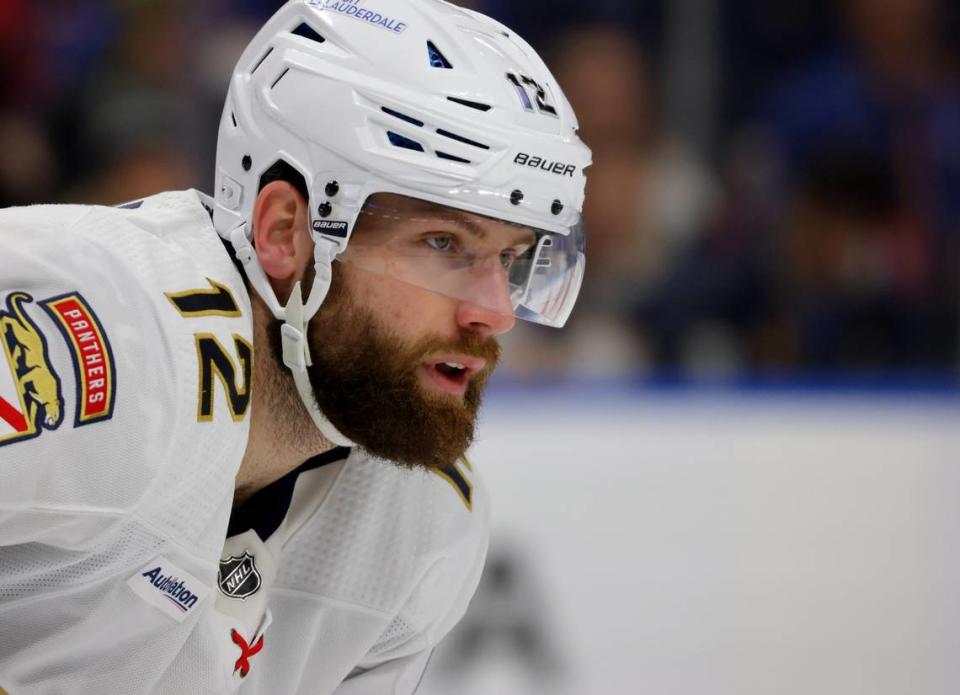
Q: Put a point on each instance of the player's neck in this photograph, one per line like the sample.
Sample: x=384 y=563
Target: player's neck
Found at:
x=282 y=434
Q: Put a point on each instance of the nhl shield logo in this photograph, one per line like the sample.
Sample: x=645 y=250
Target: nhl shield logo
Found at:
x=238 y=577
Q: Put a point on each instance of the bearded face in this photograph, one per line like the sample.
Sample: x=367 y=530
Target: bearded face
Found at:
x=368 y=380
x=406 y=337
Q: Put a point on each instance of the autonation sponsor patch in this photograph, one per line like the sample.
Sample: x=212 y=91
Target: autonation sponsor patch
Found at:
x=355 y=9
x=165 y=586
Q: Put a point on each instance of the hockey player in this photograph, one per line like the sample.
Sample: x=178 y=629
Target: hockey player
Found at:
x=232 y=429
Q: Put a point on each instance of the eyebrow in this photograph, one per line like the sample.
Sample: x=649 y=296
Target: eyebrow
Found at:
x=467 y=222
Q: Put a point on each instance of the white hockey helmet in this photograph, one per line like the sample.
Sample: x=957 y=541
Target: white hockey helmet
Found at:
x=418 y=98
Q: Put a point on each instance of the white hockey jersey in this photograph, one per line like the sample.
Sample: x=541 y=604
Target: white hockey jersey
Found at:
x=125 y=372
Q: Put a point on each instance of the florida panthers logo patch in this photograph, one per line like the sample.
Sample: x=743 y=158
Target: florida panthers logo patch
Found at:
x=238 y=576
x=93 y=362
x=31 y=399
x=31 y=390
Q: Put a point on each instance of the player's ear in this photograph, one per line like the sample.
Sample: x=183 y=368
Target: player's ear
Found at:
x=280 y=235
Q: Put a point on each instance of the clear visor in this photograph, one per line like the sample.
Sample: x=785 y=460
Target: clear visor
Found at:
x=504 y=267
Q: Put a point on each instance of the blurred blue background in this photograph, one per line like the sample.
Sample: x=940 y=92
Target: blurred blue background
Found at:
x=735 y=471
x=776 y=188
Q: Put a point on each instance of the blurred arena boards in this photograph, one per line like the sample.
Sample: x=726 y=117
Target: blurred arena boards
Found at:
x=728 y=542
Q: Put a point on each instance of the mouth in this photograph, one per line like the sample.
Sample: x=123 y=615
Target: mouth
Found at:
x=451 y=373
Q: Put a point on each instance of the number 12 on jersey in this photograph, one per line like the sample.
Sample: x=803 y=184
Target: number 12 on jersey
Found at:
x=213 y=359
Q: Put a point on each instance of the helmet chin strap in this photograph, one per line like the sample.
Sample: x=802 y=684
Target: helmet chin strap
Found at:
x=296 y=316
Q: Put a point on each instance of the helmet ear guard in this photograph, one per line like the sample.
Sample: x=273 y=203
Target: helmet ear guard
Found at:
x=416 y=98
x=293 y=332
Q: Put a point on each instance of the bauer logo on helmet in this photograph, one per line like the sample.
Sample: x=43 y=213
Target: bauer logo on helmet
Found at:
x=558 y=168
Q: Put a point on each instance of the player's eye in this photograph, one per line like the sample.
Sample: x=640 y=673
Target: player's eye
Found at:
x=440 y=242
x=507 y=259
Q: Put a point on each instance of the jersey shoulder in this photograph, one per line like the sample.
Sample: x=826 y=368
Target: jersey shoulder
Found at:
x=105 y=315
x=398 y=534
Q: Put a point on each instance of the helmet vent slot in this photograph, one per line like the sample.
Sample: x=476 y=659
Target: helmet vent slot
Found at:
x=453 y=158
x=262 y=58
x=460 y=138
x=308 y=32
x=437 y=59
x=470 y=104
x=406 y=143
x=402 y=117
x=233 y=117
x=279 y=77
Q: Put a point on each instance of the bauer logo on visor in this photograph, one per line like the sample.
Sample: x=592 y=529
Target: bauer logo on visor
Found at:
x=338 y=229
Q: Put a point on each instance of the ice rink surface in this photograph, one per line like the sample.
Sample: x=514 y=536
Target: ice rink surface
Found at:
x=725 y=542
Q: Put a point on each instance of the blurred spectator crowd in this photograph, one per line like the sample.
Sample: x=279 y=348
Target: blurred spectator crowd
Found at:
x=775 y=188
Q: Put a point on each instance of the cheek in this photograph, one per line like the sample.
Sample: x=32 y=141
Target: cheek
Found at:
x=415 y=313
x=404 y=309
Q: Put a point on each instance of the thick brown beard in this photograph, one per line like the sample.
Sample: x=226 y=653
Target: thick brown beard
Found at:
x=365 y=381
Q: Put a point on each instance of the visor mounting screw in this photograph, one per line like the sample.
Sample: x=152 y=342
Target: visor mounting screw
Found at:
x=516 y=197
x=557 y=207
x=246 y=162
x=325 y=209
x=332 y=189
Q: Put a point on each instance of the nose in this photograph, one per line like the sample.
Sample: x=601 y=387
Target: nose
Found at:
x=488 y=311
x=482 y=320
